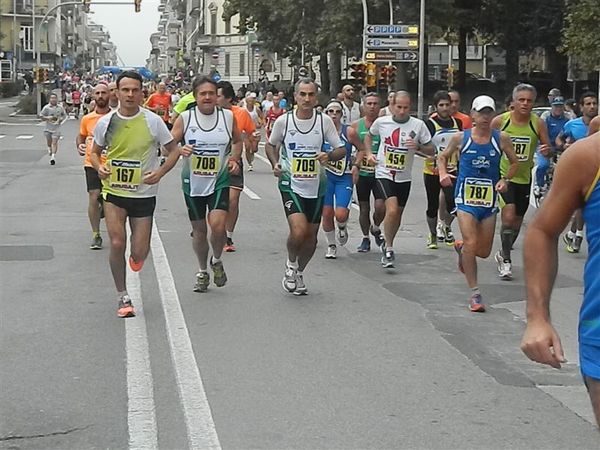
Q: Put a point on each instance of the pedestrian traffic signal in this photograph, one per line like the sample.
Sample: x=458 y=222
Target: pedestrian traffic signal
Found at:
x=383 y=78
x=359 y=71
x=138 y=5
x=45 y=75
x=86 y=6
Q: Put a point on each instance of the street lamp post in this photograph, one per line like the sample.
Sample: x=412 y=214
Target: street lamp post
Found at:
x=422 y=61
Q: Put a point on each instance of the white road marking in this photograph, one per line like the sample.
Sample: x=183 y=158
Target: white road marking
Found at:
x=19 y=124
x=196 y=410
x=250 y=193
x=2 y=136
x=141 y=412
x=24 y=137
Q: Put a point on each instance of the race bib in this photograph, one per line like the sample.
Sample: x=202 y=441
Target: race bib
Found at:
x=366 y=167
x=305 y=167
x=125 y=174
x=337 y=167
x=205 y=163
x=479 y=192
x=521 y=146
x=395 y=158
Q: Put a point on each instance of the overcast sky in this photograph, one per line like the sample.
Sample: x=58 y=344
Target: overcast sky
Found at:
x=129 y=31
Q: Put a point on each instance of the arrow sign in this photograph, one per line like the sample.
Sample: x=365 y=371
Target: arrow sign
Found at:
x=383 y=56
x=401 y=43
x=392 y=30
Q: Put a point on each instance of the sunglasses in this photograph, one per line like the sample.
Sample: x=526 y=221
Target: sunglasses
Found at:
x=334 y=111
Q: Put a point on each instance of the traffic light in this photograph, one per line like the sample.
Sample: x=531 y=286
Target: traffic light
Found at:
x=86 y=6
x=371 y=75
x=359 y=71
x=383 y=78
x=448 y=76
x=391 y=74
x=45 y=75
x=138 y=5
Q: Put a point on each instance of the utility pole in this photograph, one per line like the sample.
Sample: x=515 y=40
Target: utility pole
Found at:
x=422 y=61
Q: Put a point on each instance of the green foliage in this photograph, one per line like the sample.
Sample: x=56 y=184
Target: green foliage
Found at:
x=581 y=36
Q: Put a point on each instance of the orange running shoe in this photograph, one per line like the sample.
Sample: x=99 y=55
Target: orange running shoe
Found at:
x=476 y=303
x=229 y=246
x=125 y=308
x=458 y=246
x=135 y=265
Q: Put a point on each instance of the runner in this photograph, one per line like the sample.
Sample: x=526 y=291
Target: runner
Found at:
x=352 y=110
x=213 y=149
x=401 y=137
x=455 y=110
x=113 y=101
x=245 y=127
x=160 y=103
x=386 y=111
x=84 y=142
x=130 y=135
x=479 y=151
x=251 y=140
x=302 y=181
x=366 y=184
x=54 y=115
x=339 y=183
x=273 y=114
x=442 y=127
x=526 y=130
x=76 y=95
x=576 y=184
x=188 y=101
x=268 y=102
x=555 y=120
x=573 y=131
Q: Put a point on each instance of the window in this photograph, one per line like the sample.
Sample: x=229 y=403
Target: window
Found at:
x=213 y=22
x=27 y=38
x=242 y=63
x=228 y=26
x=227 y=64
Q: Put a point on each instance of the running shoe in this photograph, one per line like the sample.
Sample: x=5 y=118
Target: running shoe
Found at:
x=365 y=245
x=448 y=236
x=476 y=303
x=250 y=167
x=96 y=243
x=576 y=246
x=568 y=242
x=331 y=252
x=432 y=242
x=378 y=238
x=342 y=235
x=300 y=286
x=52 y=160
x=388 y=258
x=219 y=274
x=289 y=279
x=439 y=231
x=202 y=282
x=125 y=308
x=229 y=246
x=458 y=246
x=504 y=267
x=135 y=265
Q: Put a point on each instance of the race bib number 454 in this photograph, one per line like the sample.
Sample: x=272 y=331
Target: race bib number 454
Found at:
x=395 y=158
x=125 y=174
x=521 y=145
x=479 y=192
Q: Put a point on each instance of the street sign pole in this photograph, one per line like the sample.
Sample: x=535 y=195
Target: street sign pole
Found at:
x=365 y=24
x=421 y=60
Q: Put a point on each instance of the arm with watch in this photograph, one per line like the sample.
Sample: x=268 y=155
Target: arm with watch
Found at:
x=507 y=148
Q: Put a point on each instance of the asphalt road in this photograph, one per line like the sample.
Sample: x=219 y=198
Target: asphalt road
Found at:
x=370 y=359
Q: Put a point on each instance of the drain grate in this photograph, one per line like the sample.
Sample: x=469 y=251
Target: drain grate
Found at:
x=26 y=252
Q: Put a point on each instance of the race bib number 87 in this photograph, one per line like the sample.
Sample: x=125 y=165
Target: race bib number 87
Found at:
x=479 y=192
x=125 y=174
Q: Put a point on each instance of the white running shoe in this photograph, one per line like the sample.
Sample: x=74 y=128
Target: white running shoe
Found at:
x=342 y=235
x=289 y=279
x=331 y=252
x=300 y=286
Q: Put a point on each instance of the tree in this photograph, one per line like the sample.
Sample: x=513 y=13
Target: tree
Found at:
x=581 y=37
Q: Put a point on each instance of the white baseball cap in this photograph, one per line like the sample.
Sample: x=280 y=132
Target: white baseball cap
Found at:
x=482 y=102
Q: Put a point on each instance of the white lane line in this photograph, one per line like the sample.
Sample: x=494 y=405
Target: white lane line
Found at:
x=196 y=410
x=24 y=137
x=2 y=136
x=250 y=193
x=141 y=412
